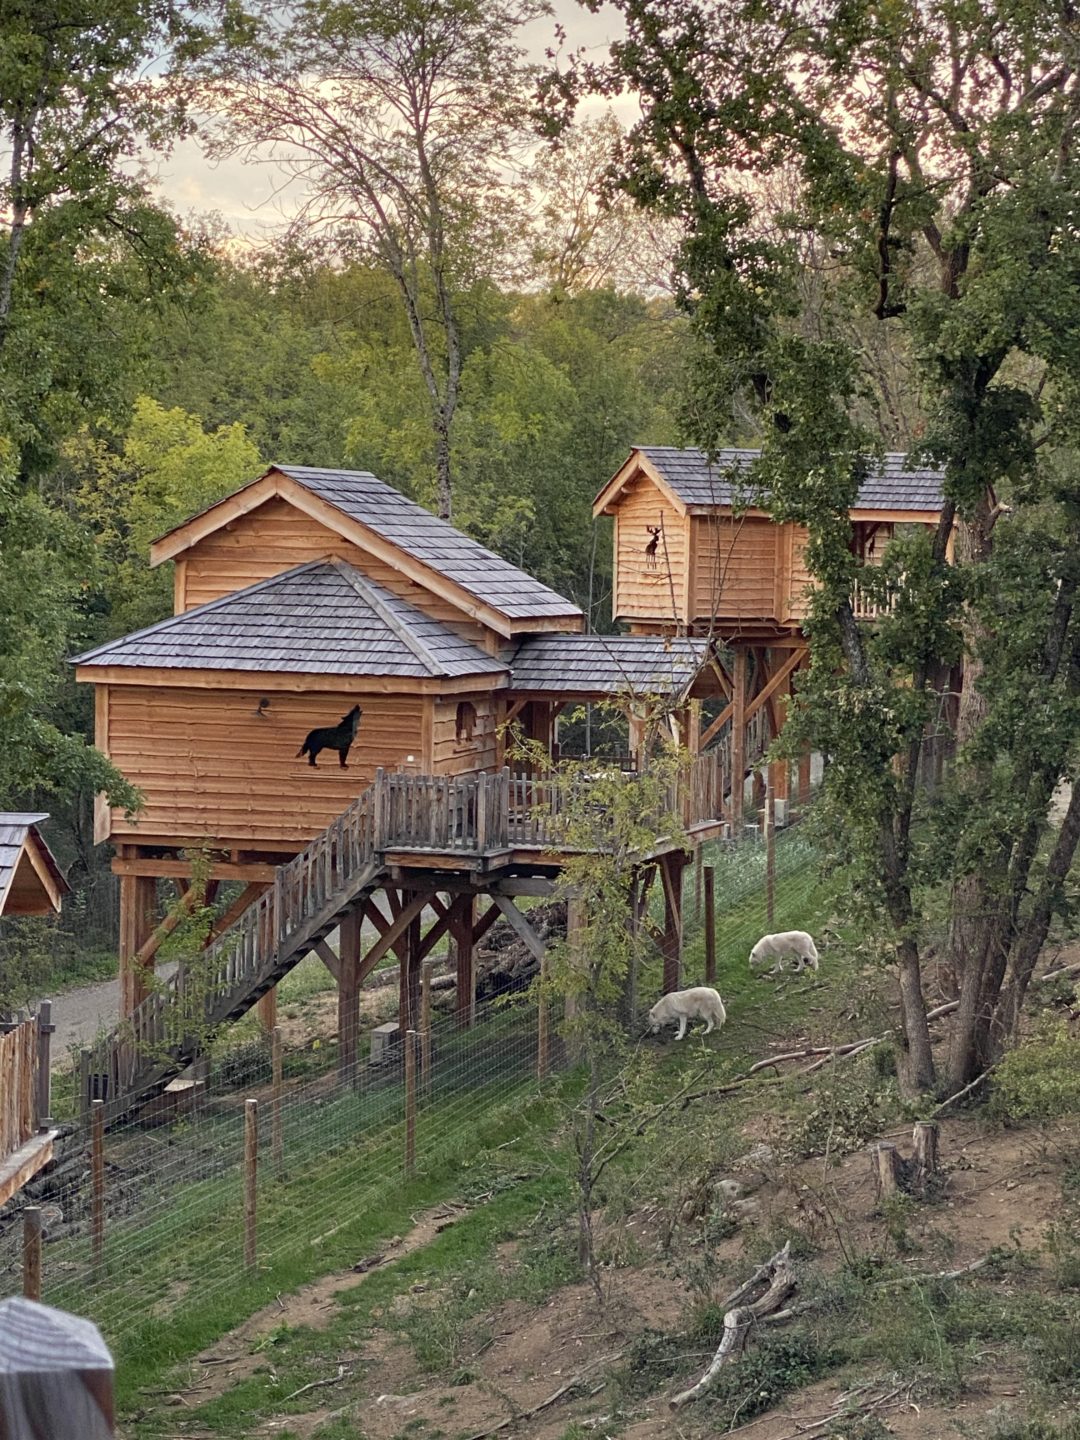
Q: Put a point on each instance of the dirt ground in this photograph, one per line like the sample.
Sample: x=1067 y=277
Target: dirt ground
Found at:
x=1002 y=1189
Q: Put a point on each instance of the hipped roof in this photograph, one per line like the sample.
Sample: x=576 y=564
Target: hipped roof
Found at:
x=589 y=665
x=391 y=526
x=694 y=482
x=323 y=618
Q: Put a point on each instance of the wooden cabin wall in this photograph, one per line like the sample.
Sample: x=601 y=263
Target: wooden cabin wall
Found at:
x=735 y=563
x=208 y=766
x=799 y=577
x=451 y=756
x=642 y=590
x=276 y=537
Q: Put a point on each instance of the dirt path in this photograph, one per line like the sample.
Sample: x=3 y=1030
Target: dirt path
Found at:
x=79 y=1014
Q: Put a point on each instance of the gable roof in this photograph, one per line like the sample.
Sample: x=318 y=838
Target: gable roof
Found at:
x=394 y=523
x=695 y=482
x=21 y=845
x=607 y=664
x=323 y=618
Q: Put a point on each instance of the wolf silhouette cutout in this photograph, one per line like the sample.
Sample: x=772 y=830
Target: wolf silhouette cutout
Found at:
x=337 y=737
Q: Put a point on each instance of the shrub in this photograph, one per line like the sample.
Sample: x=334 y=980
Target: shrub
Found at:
x=1040 y=1079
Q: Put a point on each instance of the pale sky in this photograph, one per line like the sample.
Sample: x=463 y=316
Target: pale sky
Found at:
x=250 y=199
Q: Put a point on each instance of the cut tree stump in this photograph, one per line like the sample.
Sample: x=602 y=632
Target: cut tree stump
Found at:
x=888 y=1170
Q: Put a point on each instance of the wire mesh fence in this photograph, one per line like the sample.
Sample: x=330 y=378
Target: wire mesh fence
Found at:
x=331 y=1151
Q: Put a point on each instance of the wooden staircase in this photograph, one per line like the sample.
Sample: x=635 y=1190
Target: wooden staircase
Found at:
x=308 y=899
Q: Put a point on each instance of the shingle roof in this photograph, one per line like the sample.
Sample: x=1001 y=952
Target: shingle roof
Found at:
x=607 y=664
x=893 y=485
x=323 y=618
x=435 y=542
x=15 y=828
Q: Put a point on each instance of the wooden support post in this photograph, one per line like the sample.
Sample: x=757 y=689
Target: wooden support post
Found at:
x=699 y=865
x=277 y=1082
x=574 y=922
x=710 y=925
x=543 y=1018
x=97 y=1183
x=44 y=1061
x=738 y=739
x=31 y=1264
x=266 y=1010
x=409 y=977
x=349 y=995
x=138 y=902
x=463 y=938
x=770 y=861
x=425 y=1026
x=410 y=1103
x=671 y=875
x=804 y=776
x=887 y=1166
x=251 y=1176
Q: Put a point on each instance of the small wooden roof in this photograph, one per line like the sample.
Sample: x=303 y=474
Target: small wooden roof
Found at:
x=695 y=484
x=323 y=618
x=56 y=1374
x=378 y=518
x=31 y=882
x=592 y=666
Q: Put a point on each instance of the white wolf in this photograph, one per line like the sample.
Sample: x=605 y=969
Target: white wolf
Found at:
x=700 y=1003
x=795 y=945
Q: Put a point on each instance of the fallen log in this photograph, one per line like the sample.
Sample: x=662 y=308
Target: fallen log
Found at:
x=739 y=1318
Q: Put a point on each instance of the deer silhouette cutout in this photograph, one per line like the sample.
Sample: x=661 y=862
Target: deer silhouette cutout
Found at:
x=650 y=549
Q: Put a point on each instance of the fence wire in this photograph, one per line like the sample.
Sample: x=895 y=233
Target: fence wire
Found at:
x=173 y=1233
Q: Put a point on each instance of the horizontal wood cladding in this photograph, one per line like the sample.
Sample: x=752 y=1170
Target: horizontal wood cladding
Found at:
x=208 y=765
x=649 y=587
x=276 y=537
x=799 y=577
x=454 y=753
x=736 y=564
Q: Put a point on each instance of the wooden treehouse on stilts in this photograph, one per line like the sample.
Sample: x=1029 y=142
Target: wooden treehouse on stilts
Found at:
x=324 y=601
x=692 y=558
x=321 y=608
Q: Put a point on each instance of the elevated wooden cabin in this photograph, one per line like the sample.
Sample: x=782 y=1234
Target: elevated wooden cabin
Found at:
x=303 y=595
x=690 y=555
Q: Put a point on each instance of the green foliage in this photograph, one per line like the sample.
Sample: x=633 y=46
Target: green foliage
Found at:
x=1040 y=1079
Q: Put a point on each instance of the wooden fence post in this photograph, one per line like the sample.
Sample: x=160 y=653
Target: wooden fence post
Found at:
x=97 y=1183
x=710 y=925
x=31 y=1266
x=543 y=1039
x=770 y=861
x=425 y=1026
x=44 y=1071
x=699 y=866
x=277 y=1145
x=410 y=1103
x=251 y=1172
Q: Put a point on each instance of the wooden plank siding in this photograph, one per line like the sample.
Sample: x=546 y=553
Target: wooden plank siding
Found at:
x=451 y=756
x=275 y=537
x=736 y=564
x=799 y=577
x=645 y=591
x=209 y=766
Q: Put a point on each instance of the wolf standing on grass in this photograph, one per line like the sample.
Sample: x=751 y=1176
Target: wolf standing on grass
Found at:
x=700 y=1003
x=337 y=737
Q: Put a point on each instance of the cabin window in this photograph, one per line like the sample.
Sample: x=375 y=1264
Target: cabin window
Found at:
x=466 y=722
